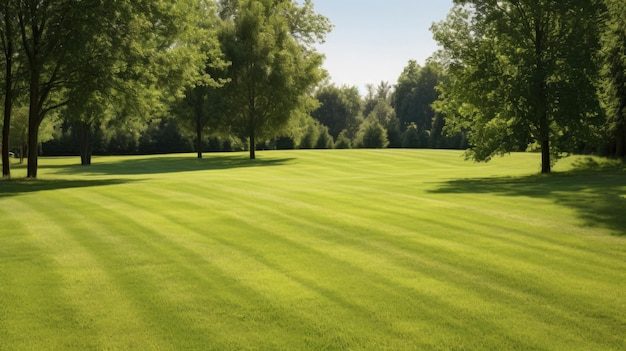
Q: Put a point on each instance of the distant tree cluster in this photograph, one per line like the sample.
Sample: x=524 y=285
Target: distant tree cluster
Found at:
x=398 y=116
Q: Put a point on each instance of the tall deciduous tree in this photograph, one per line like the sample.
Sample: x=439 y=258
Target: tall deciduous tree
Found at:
x=613 y=87
x=520 y=72
x=146 y=53
x=203 y=104
x=415 y=93
x=8 y=41
x=51 y=31
x=75 y=48
x=273 y=62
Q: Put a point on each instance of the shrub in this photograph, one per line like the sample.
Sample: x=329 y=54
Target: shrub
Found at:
x=372 y=135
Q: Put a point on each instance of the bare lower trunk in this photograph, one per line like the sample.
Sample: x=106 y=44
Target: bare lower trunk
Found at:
x=545 y=155
x=252 y=145
x=252 y=135
x=33 y=138
x=199 y=138
x=541 y=107
x=8 y=95
x=86 y=144
x=6 y=161
x=34 y=121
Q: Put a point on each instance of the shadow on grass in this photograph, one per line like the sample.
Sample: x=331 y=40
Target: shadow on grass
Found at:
x=25 y=186
x=166 y=164
x=597 y=191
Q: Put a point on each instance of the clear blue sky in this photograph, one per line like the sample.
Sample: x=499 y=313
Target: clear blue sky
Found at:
x=373 y=40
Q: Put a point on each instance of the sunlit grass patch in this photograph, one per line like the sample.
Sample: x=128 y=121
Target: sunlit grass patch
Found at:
x=338 y=249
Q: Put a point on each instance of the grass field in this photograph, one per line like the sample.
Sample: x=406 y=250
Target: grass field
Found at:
x=314 y=250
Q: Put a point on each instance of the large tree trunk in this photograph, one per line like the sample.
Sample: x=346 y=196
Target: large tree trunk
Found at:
x=252 y=145
x=34 y=120
x=33 y=141
x=6 y=128
x=6 y=161
x=86 y=143
x=251 y=127
x=545 y=146
x=541 y=104
x=8 y=94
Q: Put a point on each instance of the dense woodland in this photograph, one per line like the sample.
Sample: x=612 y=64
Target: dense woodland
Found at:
x=126 y=77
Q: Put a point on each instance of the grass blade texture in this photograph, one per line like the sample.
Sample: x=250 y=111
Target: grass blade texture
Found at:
x=297 y=250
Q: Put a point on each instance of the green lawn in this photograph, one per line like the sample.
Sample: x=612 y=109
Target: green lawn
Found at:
x=297 y=250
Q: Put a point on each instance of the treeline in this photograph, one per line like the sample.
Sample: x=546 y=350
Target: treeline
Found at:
x=399 y=116
x=126 y=77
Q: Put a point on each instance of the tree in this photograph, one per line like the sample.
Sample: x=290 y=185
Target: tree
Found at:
x=520 y=72
x=613 y=84
x=374 y=95
x=273 y=63
x=48 y=130
x=343 y=141
x=415 y=93
x=372 y=135
x=339 y=108
x=146 y=55
x=74 y=49
x=8 y=40
x=51 y=33
x=202 y=105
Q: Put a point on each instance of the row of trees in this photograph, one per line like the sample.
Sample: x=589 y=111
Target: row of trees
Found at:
x=384 y=117
x=241 y=67
x=130 y=76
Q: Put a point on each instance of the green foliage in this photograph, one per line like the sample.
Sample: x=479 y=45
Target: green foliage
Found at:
x=372 y=135
x=92 y=56
x=325 y=140
x=415 y=138
x=339 y=108
x=310 y=136
x=163 y=136
x=376 y=95
x=416 y=92
x=520 y=72
x=273 y=67
x=613 y=84
x=343 y=142
x=382 y=112
x=305 y=132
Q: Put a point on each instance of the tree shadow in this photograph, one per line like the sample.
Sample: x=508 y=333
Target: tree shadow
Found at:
x=25 y=186
x=597 y=191
x=167 y=164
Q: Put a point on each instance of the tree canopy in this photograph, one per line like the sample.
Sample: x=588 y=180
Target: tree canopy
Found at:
x=78 y=54
x=340 y=108
x=613 y=84
x=523 y=73
x=273 y=63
